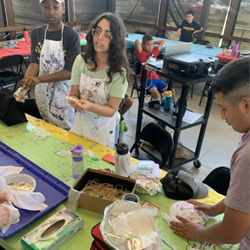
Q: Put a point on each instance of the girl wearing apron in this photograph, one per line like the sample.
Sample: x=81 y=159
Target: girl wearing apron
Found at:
x=99 y=80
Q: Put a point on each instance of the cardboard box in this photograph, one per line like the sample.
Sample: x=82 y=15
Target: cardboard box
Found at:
x=98 y=204
x=54 y=232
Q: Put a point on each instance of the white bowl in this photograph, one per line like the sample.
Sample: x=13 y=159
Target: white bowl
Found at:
x=21 y=182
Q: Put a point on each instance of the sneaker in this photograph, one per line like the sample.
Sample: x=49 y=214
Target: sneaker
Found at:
x=156 y=104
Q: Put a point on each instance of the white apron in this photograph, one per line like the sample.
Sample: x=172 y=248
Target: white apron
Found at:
x=90 y=125
x=50 y=97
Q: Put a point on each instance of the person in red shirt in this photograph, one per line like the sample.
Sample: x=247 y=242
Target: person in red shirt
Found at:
x=147 y=52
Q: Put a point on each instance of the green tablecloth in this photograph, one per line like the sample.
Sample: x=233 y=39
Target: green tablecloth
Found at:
x=43 y=153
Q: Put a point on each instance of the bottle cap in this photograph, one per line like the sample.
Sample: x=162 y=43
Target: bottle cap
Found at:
x=121 y=148
x=78 y=150
x=169 y=93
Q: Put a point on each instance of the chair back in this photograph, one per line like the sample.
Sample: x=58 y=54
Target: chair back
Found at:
x=10 y=61
x=137 y=67
x=159 y=138
x=136 y=84
x=11 y=71
x=218 y=179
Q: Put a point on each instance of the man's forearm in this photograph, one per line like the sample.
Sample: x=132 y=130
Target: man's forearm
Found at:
x=219 y=208
x=32 y=69
x=55 y=77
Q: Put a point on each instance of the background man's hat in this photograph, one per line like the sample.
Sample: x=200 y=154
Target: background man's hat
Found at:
x=59 y=1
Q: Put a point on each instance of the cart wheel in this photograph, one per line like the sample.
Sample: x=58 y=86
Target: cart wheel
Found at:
x=197 y=163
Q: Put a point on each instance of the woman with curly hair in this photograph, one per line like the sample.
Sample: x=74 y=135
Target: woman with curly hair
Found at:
x=99 y=81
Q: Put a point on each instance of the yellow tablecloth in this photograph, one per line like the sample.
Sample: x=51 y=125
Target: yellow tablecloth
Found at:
x=22 y=139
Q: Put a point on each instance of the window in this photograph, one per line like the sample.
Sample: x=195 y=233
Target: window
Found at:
x=26 y=13
x=216 y=19
x=2 y=21
x=242 y=24
x=145 y=11
x=88 y=10
x=177 y=10
x=141 y=11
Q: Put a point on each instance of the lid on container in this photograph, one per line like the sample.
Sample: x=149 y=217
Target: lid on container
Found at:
x=78 y=150
x=121 y=148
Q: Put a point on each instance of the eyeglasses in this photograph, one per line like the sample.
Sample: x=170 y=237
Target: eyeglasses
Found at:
x=97 y=33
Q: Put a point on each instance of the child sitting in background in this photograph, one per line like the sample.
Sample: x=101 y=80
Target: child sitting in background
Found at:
x=146 y=52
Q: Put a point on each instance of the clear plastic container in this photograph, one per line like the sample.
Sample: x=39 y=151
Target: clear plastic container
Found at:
x=77 y=161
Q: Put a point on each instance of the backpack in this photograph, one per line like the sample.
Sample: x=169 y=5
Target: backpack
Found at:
x=98 y=243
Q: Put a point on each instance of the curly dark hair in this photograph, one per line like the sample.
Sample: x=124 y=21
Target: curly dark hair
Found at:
x=117 y=49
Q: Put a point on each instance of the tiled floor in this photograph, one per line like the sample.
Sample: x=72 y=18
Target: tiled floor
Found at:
x=220 y=139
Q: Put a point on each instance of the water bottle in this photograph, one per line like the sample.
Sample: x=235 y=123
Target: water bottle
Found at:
x=235 y=48
x=122 y=160
x=77 y=161
x=168 y=100
x=25 y=35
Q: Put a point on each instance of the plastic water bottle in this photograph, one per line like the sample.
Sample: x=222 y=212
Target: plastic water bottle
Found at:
x=168 y=100
x=235 y=48
x=122 y=160
x=77 y=161
x=25 y=35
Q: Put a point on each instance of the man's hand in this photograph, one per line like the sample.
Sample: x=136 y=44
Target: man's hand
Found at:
x=211 y=210
x=185 y=228
x=4 y=197
x=29 y=81
x=4 y=216
x=205 y=208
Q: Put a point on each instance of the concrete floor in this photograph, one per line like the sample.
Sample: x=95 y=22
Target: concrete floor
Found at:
x=218 y=145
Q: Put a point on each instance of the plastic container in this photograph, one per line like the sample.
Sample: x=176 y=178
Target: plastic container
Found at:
x=235 y=48
x=21 y=182
x=77 y=161
x=25 y=35
x=223 y=51
x=168 y=100
x=131 y=197
x=122 y=160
